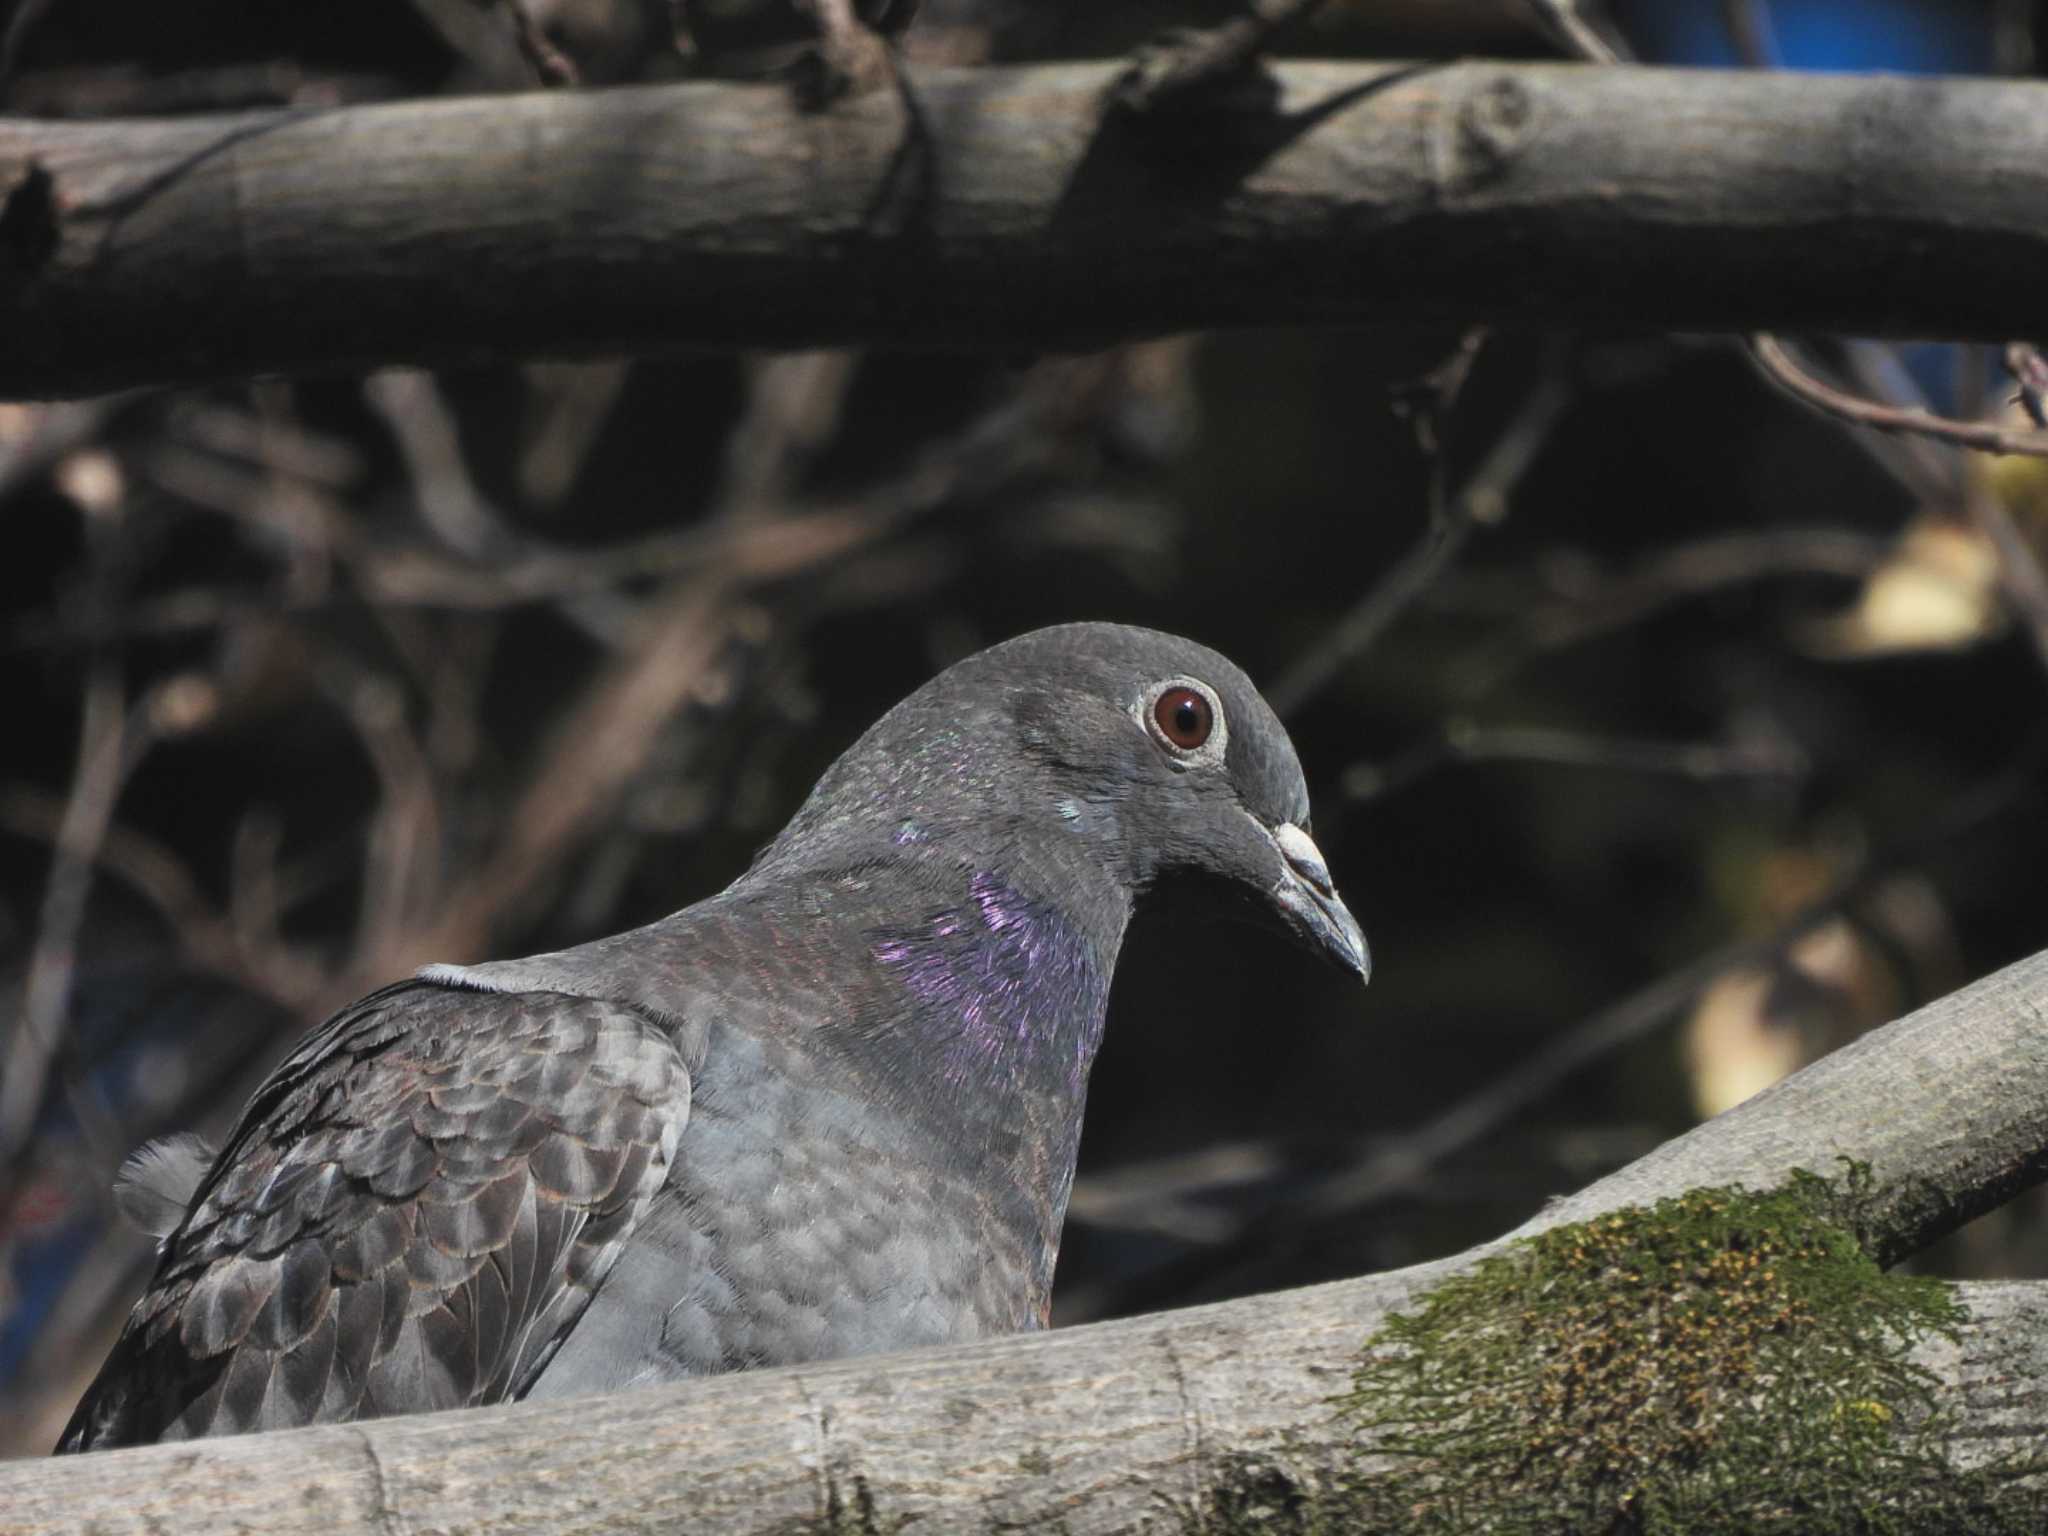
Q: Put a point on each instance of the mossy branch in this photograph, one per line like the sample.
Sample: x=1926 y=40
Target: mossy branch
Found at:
x=1725 y=1361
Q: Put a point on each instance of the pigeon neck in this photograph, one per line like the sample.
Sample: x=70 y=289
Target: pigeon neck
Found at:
x=986 y=960
x=989 y=1007
x=1001 y=991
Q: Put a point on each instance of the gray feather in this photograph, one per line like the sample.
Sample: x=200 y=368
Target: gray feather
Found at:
x=154 y=1188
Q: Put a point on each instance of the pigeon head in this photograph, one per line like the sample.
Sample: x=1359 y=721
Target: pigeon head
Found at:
x=1092 y=749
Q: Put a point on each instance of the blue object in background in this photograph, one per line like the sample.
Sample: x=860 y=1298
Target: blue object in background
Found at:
x=1929 y=37
x=1918 y=36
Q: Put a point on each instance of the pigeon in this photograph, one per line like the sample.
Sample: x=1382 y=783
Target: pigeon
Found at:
x=831 y=1110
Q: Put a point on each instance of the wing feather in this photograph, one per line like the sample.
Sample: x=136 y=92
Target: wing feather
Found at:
x=414 y=1210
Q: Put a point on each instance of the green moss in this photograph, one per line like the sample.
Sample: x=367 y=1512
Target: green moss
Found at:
x=1724 y=1361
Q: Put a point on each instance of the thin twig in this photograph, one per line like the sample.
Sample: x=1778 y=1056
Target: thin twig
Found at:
x=1482 y=499
x=569 y=406
x=1569 y=22
x=1480 y=1113
x=256 y=902
x=755 y=551
x=1464 y=742
x=27 y=13
x=55 y=430
x=156 y=874
x=1771 y=354
x=403 y=843
x=455 y=509
x=492 y=49
x=595 y=751
x=1683 y=571
x=270 y=441
x=95 y=785
x=2029 y=370
x=1189 y=63
x=311 y=529
x=422 y=424
x=1784 y=370
x=678 y=648
x=554 y=67
x=1931 y=470
x=2021 y=580
x=794 y=405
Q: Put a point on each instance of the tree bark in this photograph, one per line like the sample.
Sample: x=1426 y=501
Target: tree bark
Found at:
x=718 y=216
x=1216 y=1417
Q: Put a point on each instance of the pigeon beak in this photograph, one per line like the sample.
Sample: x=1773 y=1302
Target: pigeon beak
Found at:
x=1311 y=905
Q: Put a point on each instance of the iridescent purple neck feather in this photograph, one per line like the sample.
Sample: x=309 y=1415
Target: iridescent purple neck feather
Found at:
x=1005 y=990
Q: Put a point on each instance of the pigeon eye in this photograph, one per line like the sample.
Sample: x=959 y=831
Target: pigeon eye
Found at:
x=1184 y=718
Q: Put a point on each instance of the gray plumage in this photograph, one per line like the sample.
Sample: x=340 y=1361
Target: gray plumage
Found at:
x=832 y=1110
x=156 y=1183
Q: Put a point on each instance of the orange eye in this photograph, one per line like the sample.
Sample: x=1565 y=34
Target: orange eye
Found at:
x=1184 y=718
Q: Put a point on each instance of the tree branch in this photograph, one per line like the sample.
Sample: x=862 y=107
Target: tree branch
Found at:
x=719 y=215
x=1785 y=370
x=1168 y=1417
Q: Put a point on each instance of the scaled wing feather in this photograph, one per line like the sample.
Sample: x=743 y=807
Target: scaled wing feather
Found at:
x=412 y=1214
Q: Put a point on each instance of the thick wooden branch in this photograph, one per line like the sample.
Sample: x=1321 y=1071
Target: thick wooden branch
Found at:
x=1948 y=1106
x=713 y=215
x=1217 y=1417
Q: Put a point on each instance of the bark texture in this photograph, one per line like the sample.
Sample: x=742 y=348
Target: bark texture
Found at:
x=717 y=215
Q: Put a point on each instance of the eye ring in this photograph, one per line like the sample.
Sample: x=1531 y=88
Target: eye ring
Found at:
x=1184 y=718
